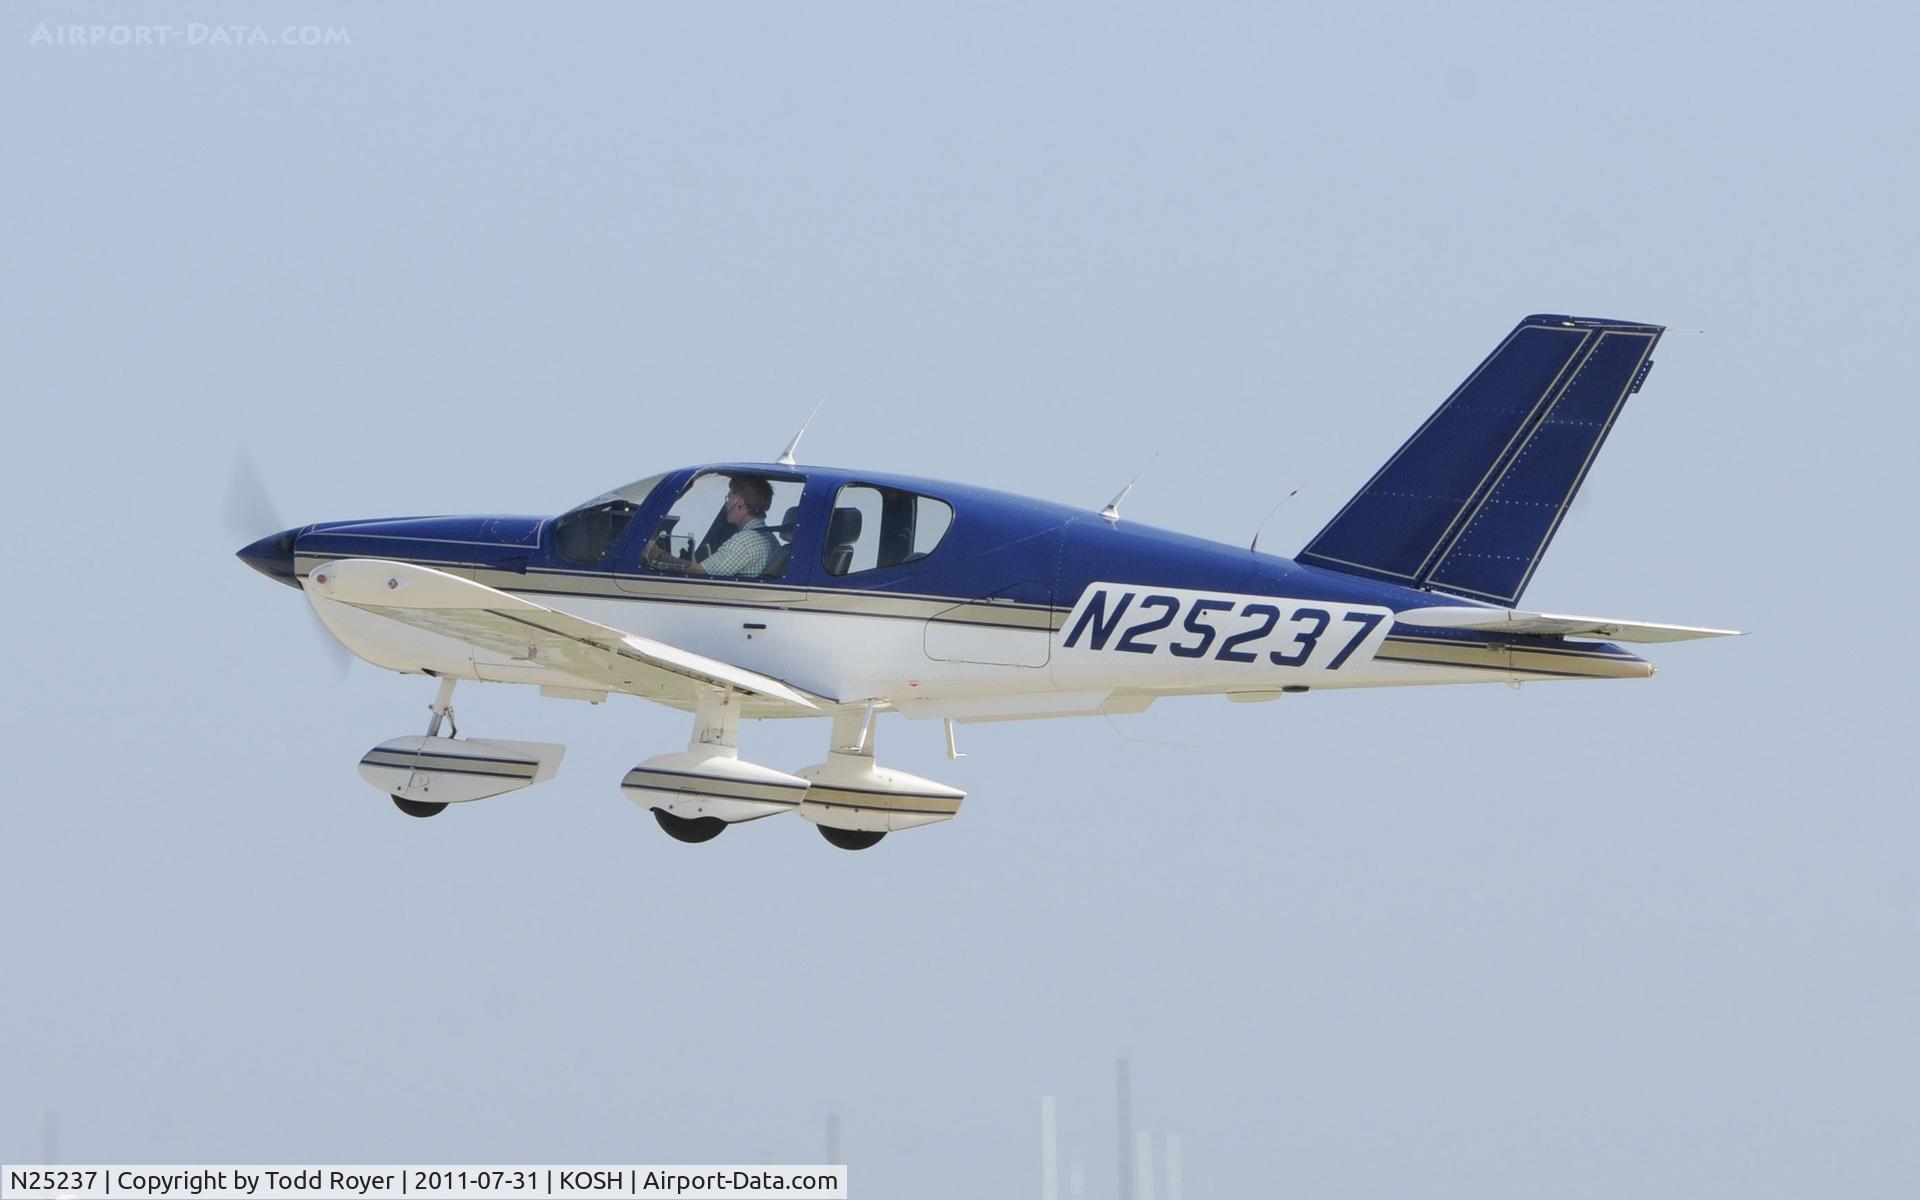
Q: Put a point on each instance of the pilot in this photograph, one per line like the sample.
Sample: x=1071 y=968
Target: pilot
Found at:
x=750 y=550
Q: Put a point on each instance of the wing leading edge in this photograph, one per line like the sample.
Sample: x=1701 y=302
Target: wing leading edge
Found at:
x=491 y=619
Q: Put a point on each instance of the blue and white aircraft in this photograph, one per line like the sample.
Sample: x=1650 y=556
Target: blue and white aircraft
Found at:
x=780 y=590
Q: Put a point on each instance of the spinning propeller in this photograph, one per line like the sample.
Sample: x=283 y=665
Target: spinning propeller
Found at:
x=248 y=510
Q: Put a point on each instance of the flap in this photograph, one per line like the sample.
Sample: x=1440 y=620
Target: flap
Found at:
x=493 y=620
x=1500 y=620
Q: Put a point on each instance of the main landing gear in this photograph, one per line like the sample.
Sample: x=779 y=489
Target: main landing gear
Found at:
x=696 y=794
x=854 y=802
x=851 y=839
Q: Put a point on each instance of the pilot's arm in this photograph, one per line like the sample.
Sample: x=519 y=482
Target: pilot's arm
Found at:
x=665 y=561
x=661 y=559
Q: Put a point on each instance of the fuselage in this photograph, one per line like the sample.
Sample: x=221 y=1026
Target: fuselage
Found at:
x=1012 y=607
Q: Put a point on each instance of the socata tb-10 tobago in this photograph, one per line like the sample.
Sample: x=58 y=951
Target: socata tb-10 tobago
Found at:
x=779 y=590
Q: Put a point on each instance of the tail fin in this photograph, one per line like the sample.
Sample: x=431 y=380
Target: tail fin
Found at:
x=1470 y=503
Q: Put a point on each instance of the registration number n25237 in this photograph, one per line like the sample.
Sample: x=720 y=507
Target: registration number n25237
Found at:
x=1267 y=630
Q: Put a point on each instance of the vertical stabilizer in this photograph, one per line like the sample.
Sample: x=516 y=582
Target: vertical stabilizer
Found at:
x=1472 y=500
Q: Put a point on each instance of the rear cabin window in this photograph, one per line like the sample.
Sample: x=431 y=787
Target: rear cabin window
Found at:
x=874 y=527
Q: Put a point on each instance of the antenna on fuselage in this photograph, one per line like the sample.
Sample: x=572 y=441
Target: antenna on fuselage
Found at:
x=1255 y=546
x=786 y=456
x=1111 y=513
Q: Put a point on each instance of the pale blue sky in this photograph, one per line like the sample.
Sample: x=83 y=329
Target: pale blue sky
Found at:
x=1602 y=939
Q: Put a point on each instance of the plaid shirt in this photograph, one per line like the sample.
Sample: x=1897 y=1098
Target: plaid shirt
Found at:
x=745 y=553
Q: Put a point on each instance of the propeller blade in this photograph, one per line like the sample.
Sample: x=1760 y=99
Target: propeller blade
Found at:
x=249 y=510
x=338 y=657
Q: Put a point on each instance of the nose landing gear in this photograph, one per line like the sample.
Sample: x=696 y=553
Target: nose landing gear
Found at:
x=425 y=774
x=419 y=808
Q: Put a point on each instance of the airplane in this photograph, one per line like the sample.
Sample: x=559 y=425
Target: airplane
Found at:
x=752 y=590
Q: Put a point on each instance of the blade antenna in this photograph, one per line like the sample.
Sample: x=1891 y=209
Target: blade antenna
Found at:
x=786 y=456
x=1111 y=513
x=1270 y=512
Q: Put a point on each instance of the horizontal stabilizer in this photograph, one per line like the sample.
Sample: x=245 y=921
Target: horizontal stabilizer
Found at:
x=493 y=620
x=1501 y=620
x=1471 y=501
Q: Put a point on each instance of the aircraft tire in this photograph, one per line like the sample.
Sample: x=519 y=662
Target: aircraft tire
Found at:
x=689 y=829
x=419 y=808
x=850 y=839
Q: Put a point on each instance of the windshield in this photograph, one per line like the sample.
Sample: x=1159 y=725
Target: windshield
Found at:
x=635 y=493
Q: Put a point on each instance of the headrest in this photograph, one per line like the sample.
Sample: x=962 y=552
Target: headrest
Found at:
x=844 y=528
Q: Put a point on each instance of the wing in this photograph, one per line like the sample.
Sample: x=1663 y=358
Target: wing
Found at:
x=1500 y=620
x=493 y=620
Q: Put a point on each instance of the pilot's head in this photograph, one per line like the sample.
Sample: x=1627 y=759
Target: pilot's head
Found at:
x=753 y=492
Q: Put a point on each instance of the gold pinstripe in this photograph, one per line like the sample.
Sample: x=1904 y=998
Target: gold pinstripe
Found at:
x=901 y=802
x=408 y=760
x=730 y=789
x=944 y=609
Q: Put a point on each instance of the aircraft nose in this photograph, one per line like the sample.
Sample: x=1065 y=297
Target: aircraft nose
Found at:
x=272 y=556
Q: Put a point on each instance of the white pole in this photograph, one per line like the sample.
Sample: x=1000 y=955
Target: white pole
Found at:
x=1049 y=1152
x=1143 y=1160
x=1174 y=1182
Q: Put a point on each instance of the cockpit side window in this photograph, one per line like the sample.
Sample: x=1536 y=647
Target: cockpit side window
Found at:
x=875 y=527
x=583 y=535
x=734 y=525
